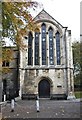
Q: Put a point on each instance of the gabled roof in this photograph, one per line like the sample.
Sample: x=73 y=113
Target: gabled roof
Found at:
x=43 y=15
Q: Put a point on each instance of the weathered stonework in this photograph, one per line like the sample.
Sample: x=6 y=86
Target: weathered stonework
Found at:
x=11 y=77
x=52 y=81
x=60 y=77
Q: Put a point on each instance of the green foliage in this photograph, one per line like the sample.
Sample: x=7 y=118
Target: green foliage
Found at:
x=77 y=79
x=76 y=56
x=17 y=20
x=77 y=60
x=78 y=94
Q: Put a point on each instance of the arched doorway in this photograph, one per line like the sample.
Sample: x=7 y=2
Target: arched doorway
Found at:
x=44 y=89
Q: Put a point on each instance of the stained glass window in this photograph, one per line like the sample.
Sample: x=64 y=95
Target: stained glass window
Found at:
x=30 y=37
x=58 y=47
x=36 y=48
x=51 y=54
x=43 y=44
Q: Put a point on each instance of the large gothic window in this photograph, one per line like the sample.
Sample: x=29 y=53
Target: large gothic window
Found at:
x=51 y=55
x=58 y=48
x=37 y=47
x=43 y=28
x=30 y=37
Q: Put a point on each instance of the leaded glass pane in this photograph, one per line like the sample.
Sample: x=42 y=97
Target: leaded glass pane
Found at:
x=58 y=47
x=43 y=44
x=30 y=37
x=36 y=48
x=51 y=54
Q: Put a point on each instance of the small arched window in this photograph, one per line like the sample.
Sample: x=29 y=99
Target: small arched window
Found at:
x=58 y=47
x=37 y=47
x=43 y=31
x=51 y=52
x=30 y=37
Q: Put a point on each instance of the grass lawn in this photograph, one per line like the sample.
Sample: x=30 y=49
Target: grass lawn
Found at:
x=78 y=94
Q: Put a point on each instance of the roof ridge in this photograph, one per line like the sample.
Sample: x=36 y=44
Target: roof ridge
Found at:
x=49 y=15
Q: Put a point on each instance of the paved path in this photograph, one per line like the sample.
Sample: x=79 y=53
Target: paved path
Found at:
x=48 y=109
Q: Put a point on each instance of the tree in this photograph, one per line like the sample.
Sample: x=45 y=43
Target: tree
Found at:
x=17 y=20
x=77 y=53
x=76 y=57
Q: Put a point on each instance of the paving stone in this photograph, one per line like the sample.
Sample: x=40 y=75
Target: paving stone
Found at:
x=48 y=109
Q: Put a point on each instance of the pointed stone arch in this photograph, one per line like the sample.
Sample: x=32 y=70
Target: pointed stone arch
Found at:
x=46 y=83
x=50 y=28
x=44 y=88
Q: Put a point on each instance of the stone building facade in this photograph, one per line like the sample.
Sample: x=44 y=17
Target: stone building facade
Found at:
x=10 y=78
x=46 y=65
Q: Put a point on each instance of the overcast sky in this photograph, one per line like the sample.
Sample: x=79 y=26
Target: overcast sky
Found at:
x=66 y=12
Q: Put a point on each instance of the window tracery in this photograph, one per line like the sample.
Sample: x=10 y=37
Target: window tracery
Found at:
x=51 y=54
x=58 y=47
x=30 y=37
x=43 y=29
